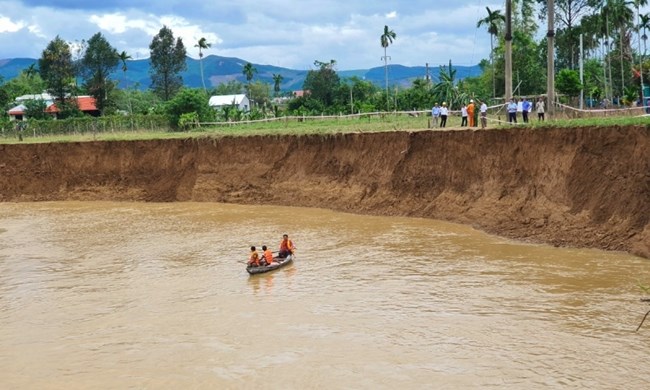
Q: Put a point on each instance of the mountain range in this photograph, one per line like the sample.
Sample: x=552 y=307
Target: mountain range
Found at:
x=219 y=69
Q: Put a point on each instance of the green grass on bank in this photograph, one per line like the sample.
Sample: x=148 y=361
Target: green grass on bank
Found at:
x=315 y=126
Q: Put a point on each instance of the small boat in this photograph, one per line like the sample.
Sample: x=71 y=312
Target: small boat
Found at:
x=278 y=262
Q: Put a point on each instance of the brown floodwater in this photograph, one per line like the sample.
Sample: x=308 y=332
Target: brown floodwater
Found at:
x=100 y=295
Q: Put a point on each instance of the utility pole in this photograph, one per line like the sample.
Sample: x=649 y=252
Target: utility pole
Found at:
x=550 y=64
x=638 y=33
x=582 y=69
x=508 y=38
x=385 y=59
x=351 y=101
x=428 y=77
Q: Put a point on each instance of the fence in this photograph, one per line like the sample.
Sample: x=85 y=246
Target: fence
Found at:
x=86 y=125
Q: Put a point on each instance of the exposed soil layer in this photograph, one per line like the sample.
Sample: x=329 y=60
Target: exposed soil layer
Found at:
x=585 y=187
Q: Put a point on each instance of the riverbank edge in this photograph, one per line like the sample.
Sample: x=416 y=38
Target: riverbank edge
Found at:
x=579 y=187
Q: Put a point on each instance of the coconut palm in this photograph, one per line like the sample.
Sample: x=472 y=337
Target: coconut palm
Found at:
x=249 y=70
x=31 y=71
x=386 y=39
x=620 y=15
x=123 y=57
x=639 y=4
x=493 y=21
x=644 y=24
x=277 y=80
x=202 y=44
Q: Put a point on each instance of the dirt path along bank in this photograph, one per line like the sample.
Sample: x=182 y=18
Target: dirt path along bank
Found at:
x=587 y=187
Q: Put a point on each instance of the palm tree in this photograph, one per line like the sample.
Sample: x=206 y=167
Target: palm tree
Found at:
x=621 y=16
x=277 y=80
x=123 y=57
x=493 y=20
x=248 y=71
x=386 y=39
x=202 y=44
x=639 y=4
x=31 y=71
x=644 y=23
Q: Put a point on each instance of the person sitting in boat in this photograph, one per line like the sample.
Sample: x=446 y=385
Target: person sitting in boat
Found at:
x=254 y=259
x=267 y=256
x=286 y=247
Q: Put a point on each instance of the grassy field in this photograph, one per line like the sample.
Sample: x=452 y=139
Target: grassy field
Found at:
x=316 y=125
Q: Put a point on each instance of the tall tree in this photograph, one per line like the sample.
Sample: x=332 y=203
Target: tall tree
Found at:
x=57 y=69
x=98 y=62
x=386 y=40
x=249 y=71
x=277 y=80
x=568 y=14
x=323 y=83
x=493 y=21
x=644 y=24
x=123 y=57
x=202 y=44
x=524 y=16
x=639 y=4
x=167 y=61
x=31 y=71
x=622 y=16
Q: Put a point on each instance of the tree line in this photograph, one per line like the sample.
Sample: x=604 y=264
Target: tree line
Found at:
x=614 y=69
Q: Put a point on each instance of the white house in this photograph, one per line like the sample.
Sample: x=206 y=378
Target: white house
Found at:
x=49 y=99
x=240 y=101
x=18 y=112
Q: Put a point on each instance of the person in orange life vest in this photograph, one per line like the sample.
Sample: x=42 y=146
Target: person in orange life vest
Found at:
x=254 y=259
x=286 y=247
x=470 y=113
x=267 y=256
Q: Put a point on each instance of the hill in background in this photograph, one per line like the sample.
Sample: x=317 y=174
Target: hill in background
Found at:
x=218 y=70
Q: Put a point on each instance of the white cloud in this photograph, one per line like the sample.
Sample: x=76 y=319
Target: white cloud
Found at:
x=119 y=23
x=288 y=33
x=7 y=25
x=36 y=30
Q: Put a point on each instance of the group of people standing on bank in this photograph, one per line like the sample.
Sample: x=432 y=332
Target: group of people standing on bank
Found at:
x=524 y=107
x=468 y=113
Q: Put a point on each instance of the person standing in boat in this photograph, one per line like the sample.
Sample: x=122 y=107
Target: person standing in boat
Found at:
x=267 y=256
x=254 y=259
x=286 y=246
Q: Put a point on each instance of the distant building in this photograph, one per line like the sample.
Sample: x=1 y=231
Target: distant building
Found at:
x=240 y=101
x=300 y=93
x=49 y=99
x=86 y=104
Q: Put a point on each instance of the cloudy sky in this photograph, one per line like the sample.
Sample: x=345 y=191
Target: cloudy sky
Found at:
x=287 y=33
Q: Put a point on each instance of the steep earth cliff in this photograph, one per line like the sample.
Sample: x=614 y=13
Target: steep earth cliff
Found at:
x=569 y=187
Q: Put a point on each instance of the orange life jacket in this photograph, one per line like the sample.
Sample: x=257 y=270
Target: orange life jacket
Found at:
x=254 y=259
x=268 y=256
x=286 y=246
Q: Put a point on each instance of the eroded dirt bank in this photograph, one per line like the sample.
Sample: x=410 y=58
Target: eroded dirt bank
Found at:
x=572 y=187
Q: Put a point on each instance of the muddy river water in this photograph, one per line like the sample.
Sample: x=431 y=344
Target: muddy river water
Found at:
x=139 y=295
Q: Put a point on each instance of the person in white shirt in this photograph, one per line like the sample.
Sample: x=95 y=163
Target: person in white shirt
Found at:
x=444 y=111
x=483 y=110
x=539 y=106
x=435 y=114
x=512 y=111
x=463 y=115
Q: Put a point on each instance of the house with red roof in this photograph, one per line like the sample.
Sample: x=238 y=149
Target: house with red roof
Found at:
x=86 y=104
